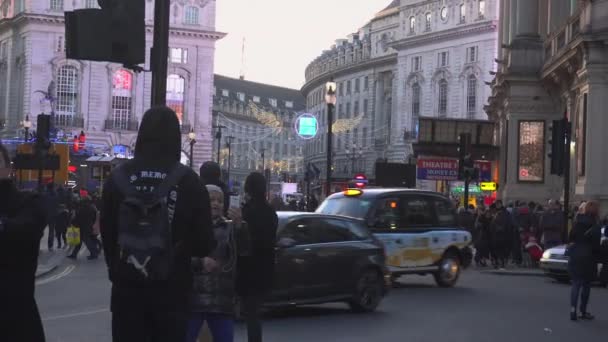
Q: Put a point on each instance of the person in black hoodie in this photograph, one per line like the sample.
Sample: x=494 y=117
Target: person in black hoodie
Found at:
x=584 y=244
x=156 y=310
x=86 y=215
x=255 y=273
x=22 y=222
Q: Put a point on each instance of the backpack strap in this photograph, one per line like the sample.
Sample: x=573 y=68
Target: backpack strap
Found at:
x=173 y=177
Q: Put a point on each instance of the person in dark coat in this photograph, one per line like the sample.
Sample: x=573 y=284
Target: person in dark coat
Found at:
x=584 y=244
x=484 y=238
x=62 y=221
x=156 y=310
x=22 y=223
x=502 y=235
x=552 y=225
x=86 y=215
x=256 y=271
x=211 y=174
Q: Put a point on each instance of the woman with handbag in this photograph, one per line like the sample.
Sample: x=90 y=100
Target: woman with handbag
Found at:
x=584 y=240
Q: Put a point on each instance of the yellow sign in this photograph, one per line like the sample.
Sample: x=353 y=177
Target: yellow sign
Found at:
x=487 y=186
x=61 y=175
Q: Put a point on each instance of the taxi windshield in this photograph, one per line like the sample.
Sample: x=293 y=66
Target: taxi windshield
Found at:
x=345 y=206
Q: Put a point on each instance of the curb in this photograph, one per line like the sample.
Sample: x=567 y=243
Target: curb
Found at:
x=42 y=271
x=51 y=265
x=514 y=273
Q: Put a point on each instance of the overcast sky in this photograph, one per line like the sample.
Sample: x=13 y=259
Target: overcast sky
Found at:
x=284 y=36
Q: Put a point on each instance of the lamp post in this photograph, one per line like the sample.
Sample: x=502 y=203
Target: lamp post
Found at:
x=353 y=156
x=263 y=160
x=330 y=99
x=229 y=145
x=218 y=136
x=192 y=139
x=27 y=124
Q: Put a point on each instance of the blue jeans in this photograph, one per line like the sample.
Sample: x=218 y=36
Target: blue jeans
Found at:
x=221 y=326
x=582 y=288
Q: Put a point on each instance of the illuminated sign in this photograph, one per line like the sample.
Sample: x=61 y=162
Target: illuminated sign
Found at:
x=487 y=186
x=306 y=126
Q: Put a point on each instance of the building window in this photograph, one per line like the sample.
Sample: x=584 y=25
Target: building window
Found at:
x=340 y=111
x=442 y=59
x=444 y=13
x=472 y=54
x=122 y=85
x=364 y=137
x=365 y=104
x=356 y=110
x=463 y=13
x=357 y=85
x=471 y=97
x=348 y=87
x=175 y=95
x=442 y=107
x=273 y=102
x=91 y=4
x=341 y=89
x=366 y=83
x=179 y=55
x=482 y=9
x=581 y=138
x=289 y=104
x=3 y=50
x=241 y=96
x=428 y=22
x=60 y=46
x=348 y=110
x=531 y=151
x=415 y=105
x=225 y=92
x=417 y=63
x=191 y=15
x=57 y=5
x=66 y=97
x=412 y=25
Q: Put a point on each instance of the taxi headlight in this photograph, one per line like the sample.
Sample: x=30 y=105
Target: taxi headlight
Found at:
x=546 y=255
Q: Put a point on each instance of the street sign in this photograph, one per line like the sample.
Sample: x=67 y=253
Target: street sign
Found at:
x=306 y=126
x=437 y=169
x=487 y=186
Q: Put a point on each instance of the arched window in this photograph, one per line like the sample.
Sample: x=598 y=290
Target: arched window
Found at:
x=175 y=95
x=191 y=16
x=122 y=86
x=415 y=106
x=412 y=24
x=442 y=107
x=471 y=96
x=428 y=22
x=66 y=94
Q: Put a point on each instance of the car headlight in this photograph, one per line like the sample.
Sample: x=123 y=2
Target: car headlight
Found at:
x=546 y=255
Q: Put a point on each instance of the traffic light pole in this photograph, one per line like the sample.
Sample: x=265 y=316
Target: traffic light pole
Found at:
x=160 y=52
x=568 y=155
x=467 y=181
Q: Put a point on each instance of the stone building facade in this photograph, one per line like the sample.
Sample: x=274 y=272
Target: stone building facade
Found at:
x=258 y=120
x=413 y=59
x=103 y=99
x=553 y=65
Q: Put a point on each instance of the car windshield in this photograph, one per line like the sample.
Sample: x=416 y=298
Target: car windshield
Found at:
x=345 y=206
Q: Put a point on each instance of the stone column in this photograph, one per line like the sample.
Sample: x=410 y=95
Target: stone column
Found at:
x=527 y=18
x=512 y=19
x=378 y=108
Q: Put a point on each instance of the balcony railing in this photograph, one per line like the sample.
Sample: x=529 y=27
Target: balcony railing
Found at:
x=121 y=125
x=559 y=40
x=68 y=121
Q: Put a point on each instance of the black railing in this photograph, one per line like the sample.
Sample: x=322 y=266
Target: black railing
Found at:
x=69 y=121
x=121 y=125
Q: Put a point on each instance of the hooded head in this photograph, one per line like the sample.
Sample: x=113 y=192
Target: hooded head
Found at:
x=159 y=136
x=255 y=186
x=211 y=173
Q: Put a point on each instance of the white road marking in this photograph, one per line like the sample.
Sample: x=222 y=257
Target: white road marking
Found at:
x=76 y=314
x=65 y=272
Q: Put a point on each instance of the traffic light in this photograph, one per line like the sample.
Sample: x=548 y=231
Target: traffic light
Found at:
x=464 y=154
x=558 y=146
x=43 y=128
x=114 y=33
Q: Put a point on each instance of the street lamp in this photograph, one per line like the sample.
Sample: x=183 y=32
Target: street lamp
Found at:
x=330 y=99
x=353 y=156
x=229 y=145
x=27 y=124
x=192 y=139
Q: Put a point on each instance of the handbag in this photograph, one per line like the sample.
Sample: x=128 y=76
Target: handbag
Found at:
x=73 y=236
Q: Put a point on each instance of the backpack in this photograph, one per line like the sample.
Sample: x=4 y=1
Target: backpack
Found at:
x=145 y=237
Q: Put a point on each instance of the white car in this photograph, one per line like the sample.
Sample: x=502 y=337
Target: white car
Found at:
x=555 y=262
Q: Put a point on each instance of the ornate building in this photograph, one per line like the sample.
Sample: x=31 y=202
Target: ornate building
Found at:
x=258 y=121
x=103 y=99
x=553 y=65
x=413 y=59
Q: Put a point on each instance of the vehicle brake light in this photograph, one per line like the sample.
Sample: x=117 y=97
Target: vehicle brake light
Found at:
x=353 y=192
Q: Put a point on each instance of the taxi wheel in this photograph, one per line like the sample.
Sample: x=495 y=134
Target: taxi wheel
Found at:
x=449 y=270
x=368 y=293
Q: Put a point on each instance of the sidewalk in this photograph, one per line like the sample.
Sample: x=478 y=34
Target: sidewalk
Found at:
x=48 y=261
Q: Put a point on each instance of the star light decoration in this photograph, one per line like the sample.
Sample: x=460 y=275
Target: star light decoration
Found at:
x=266 y=118
x=345 y=125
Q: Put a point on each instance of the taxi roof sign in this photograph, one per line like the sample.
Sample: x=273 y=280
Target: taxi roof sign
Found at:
x=353 y=192
x=488 y=186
